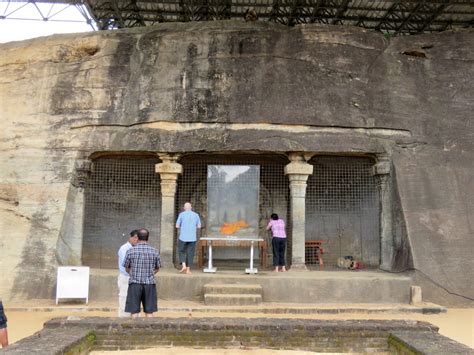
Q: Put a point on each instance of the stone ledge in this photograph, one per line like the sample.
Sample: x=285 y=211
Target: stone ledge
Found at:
x=263 y=308
x=76 y=335
x=53 y=341
x=98 y=323
x=426 y=343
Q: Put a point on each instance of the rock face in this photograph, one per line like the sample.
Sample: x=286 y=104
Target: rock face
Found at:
x=234 y=86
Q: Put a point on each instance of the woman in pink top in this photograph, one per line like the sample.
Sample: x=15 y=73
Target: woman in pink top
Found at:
x=277 y=226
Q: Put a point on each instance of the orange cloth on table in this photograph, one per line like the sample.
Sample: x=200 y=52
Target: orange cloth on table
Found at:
x=231 y=228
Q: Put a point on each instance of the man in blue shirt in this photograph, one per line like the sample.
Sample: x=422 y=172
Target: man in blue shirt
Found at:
x=188 y=222
x=123 y=277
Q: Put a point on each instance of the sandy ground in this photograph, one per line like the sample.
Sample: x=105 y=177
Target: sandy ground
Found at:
x=182 y=350
x=457 y=324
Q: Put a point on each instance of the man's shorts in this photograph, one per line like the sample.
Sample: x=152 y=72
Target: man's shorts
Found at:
x=141 y=294
x=3 y=317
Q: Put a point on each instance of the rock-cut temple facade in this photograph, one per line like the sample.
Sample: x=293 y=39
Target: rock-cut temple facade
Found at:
x=362 y=142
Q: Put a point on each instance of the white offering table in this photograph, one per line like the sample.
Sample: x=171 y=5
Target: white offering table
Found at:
x=252 y=240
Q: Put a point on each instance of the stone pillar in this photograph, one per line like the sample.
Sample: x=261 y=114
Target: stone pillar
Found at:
x=298 y=171
x=169 y=170
x=69 y=244
x=381 y=171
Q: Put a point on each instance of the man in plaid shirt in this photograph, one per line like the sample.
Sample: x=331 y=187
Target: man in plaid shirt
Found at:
x=142 y=262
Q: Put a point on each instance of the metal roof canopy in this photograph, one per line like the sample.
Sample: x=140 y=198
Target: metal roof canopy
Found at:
x=397 y=17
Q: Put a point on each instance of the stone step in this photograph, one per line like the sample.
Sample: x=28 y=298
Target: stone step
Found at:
x=230 y=299
x=216 y=288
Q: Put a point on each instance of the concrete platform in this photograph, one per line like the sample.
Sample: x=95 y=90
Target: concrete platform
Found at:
x=296 y=286
x=312 y=287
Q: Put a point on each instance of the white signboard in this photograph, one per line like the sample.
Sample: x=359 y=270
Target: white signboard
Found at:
x=72 y=282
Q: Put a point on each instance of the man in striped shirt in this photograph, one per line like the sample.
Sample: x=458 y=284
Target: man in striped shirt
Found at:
x=277 y=226
x=123 y=277
x=142 y=262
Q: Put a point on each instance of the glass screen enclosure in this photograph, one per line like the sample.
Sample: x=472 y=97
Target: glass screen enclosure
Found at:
x=233 y=200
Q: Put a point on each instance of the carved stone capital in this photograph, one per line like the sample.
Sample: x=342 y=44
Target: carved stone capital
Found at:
x=168 y=167
x=299 y=167
x=296 y=156
x=168 y=157
x=298 y=171
x=300 y=156
x=82 y=171
x=383 y=166
x=169 y=170
x=381 y=170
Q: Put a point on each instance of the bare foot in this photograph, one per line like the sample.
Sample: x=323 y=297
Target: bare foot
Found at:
x=183 y=268
x=283 y=269
x=276 y=270
x=188 y=271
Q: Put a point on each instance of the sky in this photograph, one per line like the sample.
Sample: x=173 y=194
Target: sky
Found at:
x=23 y=20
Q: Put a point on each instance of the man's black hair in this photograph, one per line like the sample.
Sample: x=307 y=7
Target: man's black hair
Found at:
x=274 y=216
x=133 y=233
x=143 y=234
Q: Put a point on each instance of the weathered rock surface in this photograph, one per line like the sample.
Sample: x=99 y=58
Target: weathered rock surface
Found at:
x=234 y=86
